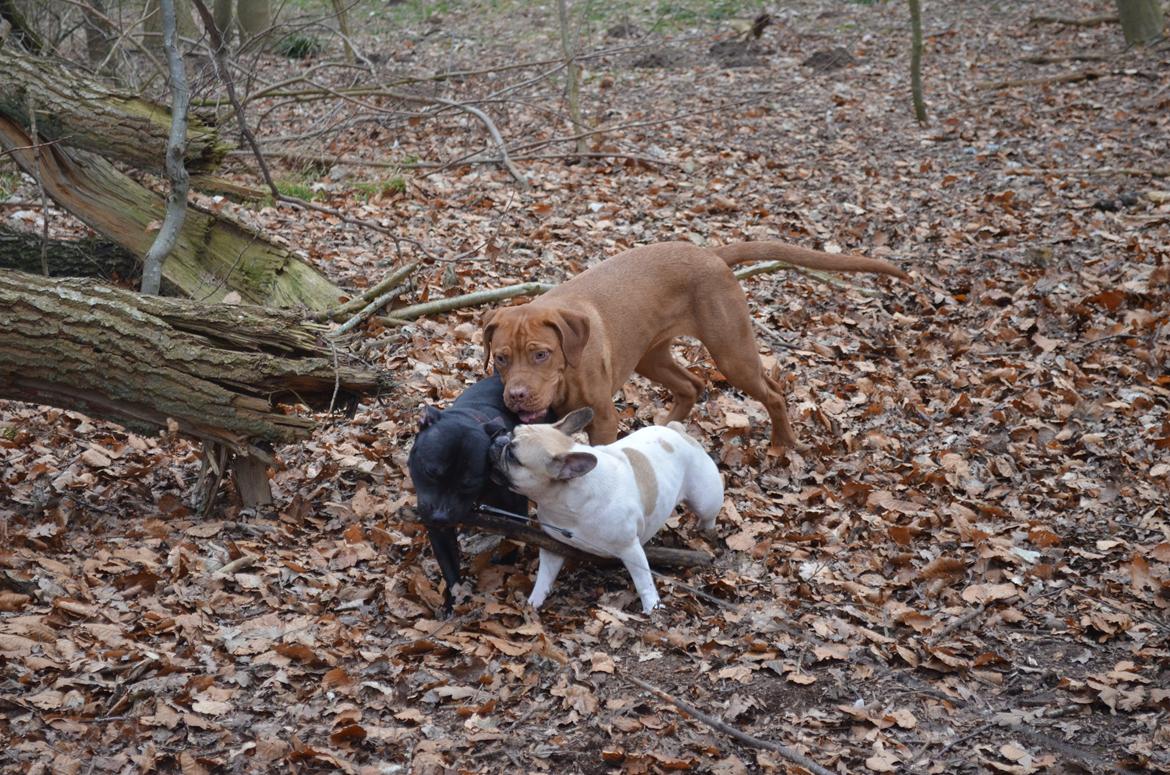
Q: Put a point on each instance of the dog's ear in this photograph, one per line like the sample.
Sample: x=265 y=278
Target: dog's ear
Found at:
x=571 y=465
x=489 y=330
x=428 y=418
x=574 y=421
x=494 y=427
x=573 y=330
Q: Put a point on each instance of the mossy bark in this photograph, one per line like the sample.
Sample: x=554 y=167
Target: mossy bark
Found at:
x=217 y=371
x=212 y=257
x=76 y=109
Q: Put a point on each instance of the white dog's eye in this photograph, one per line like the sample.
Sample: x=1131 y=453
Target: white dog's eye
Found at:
x=510 y=455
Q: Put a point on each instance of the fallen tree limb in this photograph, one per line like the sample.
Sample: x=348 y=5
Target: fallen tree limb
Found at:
x=530 y=533
x=213 y=255
x=767 y=267
x=78 y=110
x=476 y=298
x=357 y=302
x=1084 y=21
x=400 y=316
x=501 y=147
x=216 y=372
x=368 y=310
x=1153 y=172
x=1077 y=77
x=719 y=725
x=67 y=258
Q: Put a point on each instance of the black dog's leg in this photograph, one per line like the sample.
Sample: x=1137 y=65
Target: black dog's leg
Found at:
x=445 y=545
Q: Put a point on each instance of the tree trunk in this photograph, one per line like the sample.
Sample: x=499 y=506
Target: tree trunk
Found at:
x=77 y=110
x=1141 y=20
x=176 y=207
x=152 y=25
x=572 y=73
x=213 y=255
x=217 y=371
x=99 y=37
x=341 y=11
x=916 y=61
x=22 y=31
x=255 y=19
x=224 y=15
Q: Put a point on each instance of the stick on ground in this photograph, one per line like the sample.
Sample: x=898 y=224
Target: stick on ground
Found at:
x=719 y=725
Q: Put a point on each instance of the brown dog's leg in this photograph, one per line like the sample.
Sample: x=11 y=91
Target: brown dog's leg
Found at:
x=604 y=428
x=726 y=330
x=659 y=365
x=751 y=379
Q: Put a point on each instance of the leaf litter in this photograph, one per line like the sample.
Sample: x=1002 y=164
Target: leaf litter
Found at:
x=969 y=569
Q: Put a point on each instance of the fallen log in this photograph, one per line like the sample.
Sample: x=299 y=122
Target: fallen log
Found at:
x=215 y=372
x=67 y=258
x=213 y=255
x=78 y=110
x=531 y=533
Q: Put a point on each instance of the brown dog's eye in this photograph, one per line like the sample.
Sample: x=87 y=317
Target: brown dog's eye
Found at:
x=501 y=361
x=540 y=356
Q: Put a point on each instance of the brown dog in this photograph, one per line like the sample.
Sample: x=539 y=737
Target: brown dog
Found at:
x=575 y=345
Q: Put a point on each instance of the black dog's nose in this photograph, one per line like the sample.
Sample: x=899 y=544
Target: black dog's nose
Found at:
x=499 y=444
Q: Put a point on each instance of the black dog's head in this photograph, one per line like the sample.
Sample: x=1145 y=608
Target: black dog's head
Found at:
x=449 y=463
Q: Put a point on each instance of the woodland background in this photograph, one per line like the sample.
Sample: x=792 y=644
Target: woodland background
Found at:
x=968 y=570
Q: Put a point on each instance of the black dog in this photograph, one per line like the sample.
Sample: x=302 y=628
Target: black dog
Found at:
x=451 y=472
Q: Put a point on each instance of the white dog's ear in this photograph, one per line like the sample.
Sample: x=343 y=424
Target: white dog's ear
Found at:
x=574 y=421
x=571 y=465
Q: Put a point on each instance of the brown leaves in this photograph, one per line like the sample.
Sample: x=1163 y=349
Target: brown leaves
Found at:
x=987 y=446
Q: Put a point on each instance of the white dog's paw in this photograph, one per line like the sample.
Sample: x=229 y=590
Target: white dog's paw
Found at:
x=536 y=599
x=649 y=605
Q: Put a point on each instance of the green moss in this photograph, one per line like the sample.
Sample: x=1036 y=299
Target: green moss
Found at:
x=9 y=182
x=298 y=46
x=368 y=189
x=298 y=189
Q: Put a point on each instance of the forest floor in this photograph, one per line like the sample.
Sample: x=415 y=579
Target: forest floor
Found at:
x=968 y=570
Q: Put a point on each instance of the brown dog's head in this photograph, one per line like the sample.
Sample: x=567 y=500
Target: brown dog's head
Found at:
x=530 y=348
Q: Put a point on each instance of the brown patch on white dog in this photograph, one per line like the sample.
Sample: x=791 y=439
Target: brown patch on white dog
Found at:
x=644 y=476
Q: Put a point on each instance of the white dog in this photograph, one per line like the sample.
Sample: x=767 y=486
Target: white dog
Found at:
x=607 y=500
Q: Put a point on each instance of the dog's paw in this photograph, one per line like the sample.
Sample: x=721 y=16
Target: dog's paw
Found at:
x=461 y=592
x=649 y=606
x=537 y=600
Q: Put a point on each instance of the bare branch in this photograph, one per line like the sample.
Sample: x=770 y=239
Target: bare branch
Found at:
x=176 y=150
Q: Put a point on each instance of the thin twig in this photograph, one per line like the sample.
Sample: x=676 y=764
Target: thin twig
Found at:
x=766 y=267
x=241 y=562
x=32 y=120
x=719 y=725
x=366 y=311
x=219 y=57
x=348 y=308
x=466 y=300
x=501 y=146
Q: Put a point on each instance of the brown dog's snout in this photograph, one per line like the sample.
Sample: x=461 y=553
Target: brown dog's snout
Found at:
x=518 y=394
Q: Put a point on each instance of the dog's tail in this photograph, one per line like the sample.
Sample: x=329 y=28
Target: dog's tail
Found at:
x=741 y=252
